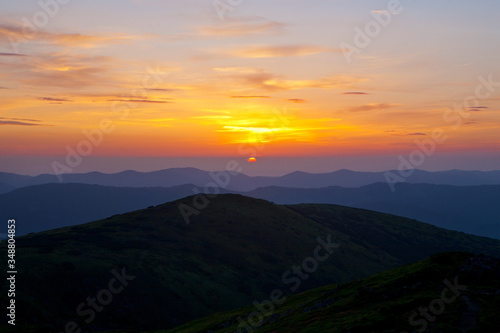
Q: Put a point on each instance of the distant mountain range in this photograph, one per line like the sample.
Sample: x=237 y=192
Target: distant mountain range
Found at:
x=471 y=209
x=161 y=272
x=49 y=206
x=242 y=182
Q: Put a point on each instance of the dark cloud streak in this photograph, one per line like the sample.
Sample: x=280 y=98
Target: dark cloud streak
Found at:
x=50 y=99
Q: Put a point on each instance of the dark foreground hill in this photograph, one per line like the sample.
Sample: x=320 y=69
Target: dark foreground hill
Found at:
x=150 y=270
x=448 y=292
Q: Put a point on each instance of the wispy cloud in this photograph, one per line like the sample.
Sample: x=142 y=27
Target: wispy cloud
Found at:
x=18 y=33
x=242 y=28
x=162 y=89
x=12 y=55
x=66 y=71
x=263 y=51
x=139 y=101
x=371 y=107
x=477 y=108
x=355 y=93
x=273 y=51
x=243 y=70
x=395 y=133
x=250 y=96
x=51 y=99
x=19 y=122
x=267 y=81
x=296 y=100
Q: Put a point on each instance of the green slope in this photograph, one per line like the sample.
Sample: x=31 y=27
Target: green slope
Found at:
x=234 y=252
x=387 y=302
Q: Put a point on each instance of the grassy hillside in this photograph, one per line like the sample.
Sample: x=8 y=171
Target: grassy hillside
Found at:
x=235 y=251
x=387 y=302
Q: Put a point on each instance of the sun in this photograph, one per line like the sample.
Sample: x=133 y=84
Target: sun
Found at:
x=252 y=160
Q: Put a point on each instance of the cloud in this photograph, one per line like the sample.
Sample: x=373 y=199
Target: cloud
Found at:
x=19 y=122
x=355 y=93
x=371 y=107
x=385 y=12
x=267 y=81
x=239 y=28
x=230 y=29
x=250 y=96
x=139 y=101
x=296 y=100
x=264 y=51
x=237 y=70
x=23 y=119
x=66 y=71
x=50 y=99
x=161 y=89
x=477 y=108
x=272 y=51
x=404 y=134
x=19 y=34
x=12 y=55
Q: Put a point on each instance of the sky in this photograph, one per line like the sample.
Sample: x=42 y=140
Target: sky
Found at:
x=312 y=85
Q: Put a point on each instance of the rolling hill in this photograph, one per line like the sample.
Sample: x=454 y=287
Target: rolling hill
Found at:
x=387 y=302
x=235 y=251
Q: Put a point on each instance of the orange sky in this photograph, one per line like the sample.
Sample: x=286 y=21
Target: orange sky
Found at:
x=174 y=79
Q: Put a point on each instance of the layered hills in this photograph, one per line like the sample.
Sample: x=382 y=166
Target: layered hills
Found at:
x=235 y=251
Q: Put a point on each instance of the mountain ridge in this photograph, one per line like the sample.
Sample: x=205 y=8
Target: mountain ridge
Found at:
x=58 y=205
x=241 y=182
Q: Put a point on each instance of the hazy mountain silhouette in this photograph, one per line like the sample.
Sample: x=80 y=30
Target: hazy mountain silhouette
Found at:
x=242 y=182
x=49 y=206
x=5 y=188
x=237 y=250
x=471 y=209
